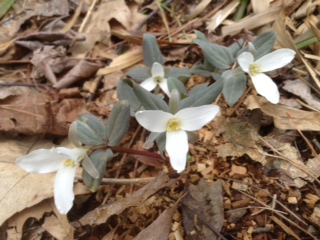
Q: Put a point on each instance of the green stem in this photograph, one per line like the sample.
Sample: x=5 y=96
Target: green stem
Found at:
x=306 y=42
x=241 y=10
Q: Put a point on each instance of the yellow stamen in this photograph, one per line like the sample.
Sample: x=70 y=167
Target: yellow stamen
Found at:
x=69 y=163
x=254 y=69
x=158 y=79
x=173 y=125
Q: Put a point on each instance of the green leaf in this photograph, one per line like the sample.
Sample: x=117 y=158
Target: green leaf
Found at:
x=148 y=100
x=90 y=130
x=118 y=122
x=99 y=159
x=235 y=84
x=236 y=47
x=174 y=83
x=264 y=43
x=161 y=143
x=203 y=96
x=197 y=88
x=177 y=72
x=125 y=92
x=219 y=56
x=139 y=74
x=201 y=36
x=5 y=5
x=151 y=50
x=199 y=69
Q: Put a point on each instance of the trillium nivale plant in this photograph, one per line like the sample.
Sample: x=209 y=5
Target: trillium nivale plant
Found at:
x=175 y=126
x=263 y=83
x=64 y=161
x=157 y=79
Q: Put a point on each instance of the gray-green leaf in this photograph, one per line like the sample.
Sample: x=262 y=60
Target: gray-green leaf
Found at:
x=118 y=122
x=90 y=130
x=219 y=56
x=125 y=92
x=151 y=50
x=148 y=100
x=139 y=74
x=99 y=159
x=235 y=85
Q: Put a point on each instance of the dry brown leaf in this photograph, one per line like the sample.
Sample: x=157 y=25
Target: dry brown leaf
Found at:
x=284 y=116
x=102 y=213
x=202 y=210
x=198 y=9
x=123 y=61
x=30 y=112
x=98 y=27
x=31 y=8
x=299 y=88
x=160 y=228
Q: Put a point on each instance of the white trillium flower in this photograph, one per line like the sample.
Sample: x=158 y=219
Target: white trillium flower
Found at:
x=157 y=78
x=263 y=83
x=63 y=160
x=175 y=126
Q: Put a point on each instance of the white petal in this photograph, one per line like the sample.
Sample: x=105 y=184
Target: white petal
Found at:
x=157 y=70
x=41 y=161
x=177 y=148
x=244 y=60
x=276 y=59
x=75 y=154
x=164 y=86
x=149 y=84
x=63 y=189
x=266 y=87
x=194 y=118
x=150 y=139
x=153 y=120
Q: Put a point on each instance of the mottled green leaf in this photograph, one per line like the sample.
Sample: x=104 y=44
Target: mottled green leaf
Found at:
x=179 y=73
x=200 y=35
x=118 y=122
x=151 y=50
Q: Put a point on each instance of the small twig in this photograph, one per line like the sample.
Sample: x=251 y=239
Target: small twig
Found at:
x=127 y=181
x=85 y=20
x=24 y=85
x=164 y=19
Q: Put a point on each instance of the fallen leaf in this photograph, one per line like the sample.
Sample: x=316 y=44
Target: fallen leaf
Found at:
x=305 y=121
x=202 y=210
x=160 y=228
x=102 y=213
x=301 y=89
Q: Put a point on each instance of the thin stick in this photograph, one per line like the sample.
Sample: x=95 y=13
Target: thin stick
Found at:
x=126 y=181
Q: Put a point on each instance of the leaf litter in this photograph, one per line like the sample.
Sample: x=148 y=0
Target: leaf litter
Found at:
x=244 y=168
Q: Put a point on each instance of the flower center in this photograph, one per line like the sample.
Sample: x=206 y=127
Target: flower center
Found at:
x=254 y=69
x=69 y=163
x=158 y=79
x=173 y=125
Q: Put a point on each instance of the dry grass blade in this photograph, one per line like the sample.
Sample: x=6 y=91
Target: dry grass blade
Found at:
x=252 y=22
x=198 y=9
x=284 y=227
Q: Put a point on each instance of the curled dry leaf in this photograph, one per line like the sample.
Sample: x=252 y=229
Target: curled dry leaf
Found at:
x=301 y=89
x=286 y=117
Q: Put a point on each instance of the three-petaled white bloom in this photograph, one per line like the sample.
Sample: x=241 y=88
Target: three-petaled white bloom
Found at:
x=157 y=78
x=63 y=160
x=175 y=126
x=263 y=83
